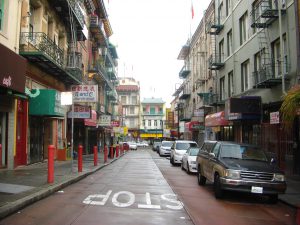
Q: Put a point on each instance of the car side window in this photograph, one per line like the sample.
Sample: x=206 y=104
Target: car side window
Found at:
x=216 y=149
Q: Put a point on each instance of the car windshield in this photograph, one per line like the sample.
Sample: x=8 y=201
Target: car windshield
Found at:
x=236 y=151
x=194 y=151
x=167 y=143
x=185 y=146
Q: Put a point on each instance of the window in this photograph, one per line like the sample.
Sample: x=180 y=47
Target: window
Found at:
x=245 y=75
x=243 y=28
x=152 y=110
x=222 y=88
x=131 y=110
x=257 y=61
x=221 y=50
x=1 y=13
x=256 y=12
x=155 y=123
x=144 y=123
x=131 y=122
x=123 y=100
x=220 y=19
x=230 y=84
x=134 y=100
x=229 y=43
x=228 y=6
x=149 y=123
x=279 y=66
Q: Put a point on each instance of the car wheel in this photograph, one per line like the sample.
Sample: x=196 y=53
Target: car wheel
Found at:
x=201 y=179
x=217 y=187
x=273 y=199
x=187 y=168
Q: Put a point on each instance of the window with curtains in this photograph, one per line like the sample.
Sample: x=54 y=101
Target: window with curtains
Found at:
x=229 y=43
x=230 y=84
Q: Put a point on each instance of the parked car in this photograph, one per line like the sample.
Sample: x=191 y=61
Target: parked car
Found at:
x=132 y=145
x=178 y=148
x=165 y=148
x=156 y=145
x=239 y=167
x=189 y=160
x=142 y=144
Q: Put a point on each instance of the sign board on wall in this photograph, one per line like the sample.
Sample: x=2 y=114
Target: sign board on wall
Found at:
x=274 y=117
x=81 y=112
x=85 y=93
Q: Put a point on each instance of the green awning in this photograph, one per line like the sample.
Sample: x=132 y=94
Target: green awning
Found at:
x=45 y=102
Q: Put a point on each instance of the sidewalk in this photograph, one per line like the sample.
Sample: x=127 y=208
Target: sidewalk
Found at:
x=28 y=184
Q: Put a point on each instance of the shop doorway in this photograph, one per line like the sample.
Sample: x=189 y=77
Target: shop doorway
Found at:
x=3 y=129
x=21 y=156
x=36 y=153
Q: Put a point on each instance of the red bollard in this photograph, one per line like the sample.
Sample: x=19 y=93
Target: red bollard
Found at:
x=51 y=150
x=117 y=151
x=0 y=155
x=105 y=154
x=95 y=155
x=111 y=152
x=80 y=148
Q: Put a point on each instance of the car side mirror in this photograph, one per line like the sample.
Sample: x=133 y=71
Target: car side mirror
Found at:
x=212 y=154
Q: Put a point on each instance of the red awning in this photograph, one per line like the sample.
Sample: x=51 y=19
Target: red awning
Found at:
x=93 y=121
x=216 y=119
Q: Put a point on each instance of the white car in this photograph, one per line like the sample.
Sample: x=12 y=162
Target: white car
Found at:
x=132 y=145
x=178 y=149
x=165 y=148
x=142 y=144
x=189 y=160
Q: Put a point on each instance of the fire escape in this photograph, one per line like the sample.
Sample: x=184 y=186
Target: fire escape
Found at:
x=268 y=72
x=215 y=61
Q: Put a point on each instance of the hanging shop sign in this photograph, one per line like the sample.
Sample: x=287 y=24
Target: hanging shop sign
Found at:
x=104 y=120
x=115 y=123
x=92 y=122
x=85 y=93
x=80 y=112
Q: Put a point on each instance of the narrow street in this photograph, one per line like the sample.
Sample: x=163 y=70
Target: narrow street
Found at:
x=142 y=188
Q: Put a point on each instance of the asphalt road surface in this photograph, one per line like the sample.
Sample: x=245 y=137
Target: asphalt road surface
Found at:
x=143 y=188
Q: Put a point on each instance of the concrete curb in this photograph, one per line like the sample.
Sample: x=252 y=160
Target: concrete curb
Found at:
x=21 y=203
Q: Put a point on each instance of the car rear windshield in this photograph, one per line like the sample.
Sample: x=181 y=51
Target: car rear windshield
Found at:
x=185 y=146
x=194 y=151
x=243 y=152
x=167 y=143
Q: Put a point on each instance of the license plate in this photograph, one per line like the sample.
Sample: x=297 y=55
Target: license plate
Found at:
x=258 y=190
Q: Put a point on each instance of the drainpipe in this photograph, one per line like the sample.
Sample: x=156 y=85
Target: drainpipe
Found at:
x=281 y=48
x=296 y=5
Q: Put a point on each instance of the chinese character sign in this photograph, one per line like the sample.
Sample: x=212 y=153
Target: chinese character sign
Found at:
x=85 y=93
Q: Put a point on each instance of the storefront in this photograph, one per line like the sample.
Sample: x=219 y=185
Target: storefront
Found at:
x=92 y=132
x=192 y=129
x=13 y=109
x=46 y=123
x=218 y=128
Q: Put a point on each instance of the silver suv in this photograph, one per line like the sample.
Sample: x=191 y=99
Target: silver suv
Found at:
x=178 y=148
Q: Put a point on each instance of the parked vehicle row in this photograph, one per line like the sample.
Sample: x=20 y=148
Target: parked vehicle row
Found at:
x=230 y=166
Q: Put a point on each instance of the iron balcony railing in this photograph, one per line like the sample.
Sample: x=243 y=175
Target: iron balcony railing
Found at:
x=97 y=67
x=77 y=11
x=40 y=42
x=184 y=72
x=74 y=60
x=216 y=61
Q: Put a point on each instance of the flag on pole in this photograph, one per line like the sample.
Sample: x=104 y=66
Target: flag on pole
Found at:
x=192 y=9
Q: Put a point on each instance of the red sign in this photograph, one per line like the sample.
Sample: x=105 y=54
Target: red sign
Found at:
x=115 y=123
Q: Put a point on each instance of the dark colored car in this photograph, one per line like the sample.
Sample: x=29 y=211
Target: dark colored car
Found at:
x=239 y=167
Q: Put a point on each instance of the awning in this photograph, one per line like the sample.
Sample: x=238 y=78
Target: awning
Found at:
x=12 y=70
x=193 y=126
x=45 y=102
x=92 y=122
x=216 y=119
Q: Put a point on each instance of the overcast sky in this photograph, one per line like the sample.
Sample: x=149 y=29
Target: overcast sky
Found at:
x=149 y=35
